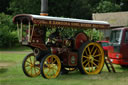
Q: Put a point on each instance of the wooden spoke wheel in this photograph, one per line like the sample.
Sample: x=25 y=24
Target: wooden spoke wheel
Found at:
x=30 y=66
x=91 y=58
x=50 y=66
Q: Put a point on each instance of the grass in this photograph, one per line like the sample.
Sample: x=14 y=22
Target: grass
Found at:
x=13 y=75
x=18 y=48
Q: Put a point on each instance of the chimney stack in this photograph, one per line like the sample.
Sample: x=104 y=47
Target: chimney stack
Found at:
x=44 y=8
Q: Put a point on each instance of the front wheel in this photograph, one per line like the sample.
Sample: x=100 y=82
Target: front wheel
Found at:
x=91 y=58
x=30 y=66
x=50 y=66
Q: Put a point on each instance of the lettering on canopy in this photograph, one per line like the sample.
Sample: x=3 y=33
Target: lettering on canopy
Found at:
x=69 y=24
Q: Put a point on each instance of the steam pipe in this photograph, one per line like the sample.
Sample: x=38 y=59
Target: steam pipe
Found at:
x=44 y=8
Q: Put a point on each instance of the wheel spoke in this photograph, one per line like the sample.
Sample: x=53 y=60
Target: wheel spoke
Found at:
x=95 y=64
x=96 y=60
x=55 y=67
x=86 y=52
x=95 y=52
x=85 y=61
x=92 y=66
x=92 y=49
x=35 y=70
x=97 y=55
x=85 y=57
x=54 y=61
x=31 y=70
x=86 y=64
x=34 y=60
x=89 y=51
x=27 y=65
x=89 y=66
x=48 y=72
x=28 y=62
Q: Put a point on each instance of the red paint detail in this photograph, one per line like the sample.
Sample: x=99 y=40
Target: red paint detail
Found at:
x=120 y=61
x=71 y=54
x=80 y=39
x=53 y=50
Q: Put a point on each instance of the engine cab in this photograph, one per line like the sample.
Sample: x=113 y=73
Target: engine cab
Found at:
x=118 y=50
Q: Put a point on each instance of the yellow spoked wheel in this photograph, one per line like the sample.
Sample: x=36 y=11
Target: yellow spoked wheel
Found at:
x=91 y=58
x=50 y=66
x=30 y=66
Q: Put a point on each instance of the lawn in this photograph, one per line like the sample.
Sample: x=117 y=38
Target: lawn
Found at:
x=13 y=75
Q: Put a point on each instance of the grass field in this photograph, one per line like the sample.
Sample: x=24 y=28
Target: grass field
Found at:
x=13 y=74
x=18 y=48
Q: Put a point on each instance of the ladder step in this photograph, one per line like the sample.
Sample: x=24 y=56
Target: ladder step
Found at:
x=109 y=65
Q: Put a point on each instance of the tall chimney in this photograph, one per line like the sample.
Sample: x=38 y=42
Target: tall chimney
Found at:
x=44 y=8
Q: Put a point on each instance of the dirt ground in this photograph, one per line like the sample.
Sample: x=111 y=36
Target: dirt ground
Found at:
x=7 y=64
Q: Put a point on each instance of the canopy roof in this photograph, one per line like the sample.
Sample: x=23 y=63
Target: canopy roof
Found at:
x=59 y=21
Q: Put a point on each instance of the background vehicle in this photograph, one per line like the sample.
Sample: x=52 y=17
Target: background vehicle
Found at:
x=118 y=50
x=105 y=45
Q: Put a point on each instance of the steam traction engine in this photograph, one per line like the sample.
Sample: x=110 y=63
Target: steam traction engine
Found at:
x=52 y=55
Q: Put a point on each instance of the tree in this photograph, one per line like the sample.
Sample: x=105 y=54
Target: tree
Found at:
x=65 y=8
x=8 y=36
x=70 y=8
x=4 y=4
x=25 y=6
x=124 y=5
x=107 y=6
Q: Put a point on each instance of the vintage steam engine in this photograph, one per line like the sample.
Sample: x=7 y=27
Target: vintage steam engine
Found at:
x=54 y=54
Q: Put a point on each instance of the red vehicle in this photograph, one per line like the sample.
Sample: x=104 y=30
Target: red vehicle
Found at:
x=105 y=45
x=118 y=49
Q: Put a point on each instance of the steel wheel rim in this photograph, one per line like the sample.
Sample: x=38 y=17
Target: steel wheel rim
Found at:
x=32 y=67
x=51 y=66
x=92 y=58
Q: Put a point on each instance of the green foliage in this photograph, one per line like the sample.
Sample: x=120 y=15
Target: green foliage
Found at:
x=3 y=5
x=25 y=6
x=70 y=8
x=67 y=8
x=124 y=5
x=94 y=34
x=107 y=6
x=8 y=36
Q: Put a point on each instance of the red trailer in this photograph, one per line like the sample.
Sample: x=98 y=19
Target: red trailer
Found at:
x=118 y=49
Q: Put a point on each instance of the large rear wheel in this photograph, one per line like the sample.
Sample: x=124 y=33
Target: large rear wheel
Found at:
x=50 y=66
x=91 y=58
x=30 y=66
